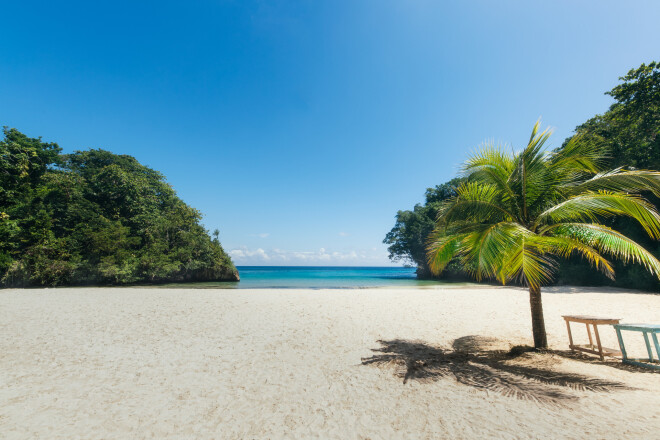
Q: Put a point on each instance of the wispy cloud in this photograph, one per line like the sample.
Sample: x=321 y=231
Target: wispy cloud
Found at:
x=343 y=234
x=243 y=254
x=322 y=256
x=260 y=235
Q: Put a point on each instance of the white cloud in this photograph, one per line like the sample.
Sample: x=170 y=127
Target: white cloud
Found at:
x=260 y=235
x=323 y=256
x=244 y=253
x=343 y=234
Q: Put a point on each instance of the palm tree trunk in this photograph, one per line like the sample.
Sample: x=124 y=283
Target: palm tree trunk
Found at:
x=538 y=324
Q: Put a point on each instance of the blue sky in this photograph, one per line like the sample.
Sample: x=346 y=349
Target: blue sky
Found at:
x=299 y=128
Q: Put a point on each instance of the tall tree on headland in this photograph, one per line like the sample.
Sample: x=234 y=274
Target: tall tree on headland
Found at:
x=407 y=239
x=93 y=217
x=518 y=213
x=630 y=129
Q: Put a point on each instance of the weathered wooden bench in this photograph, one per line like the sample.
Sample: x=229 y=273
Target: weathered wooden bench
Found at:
x=647 y=330
x=594 y=321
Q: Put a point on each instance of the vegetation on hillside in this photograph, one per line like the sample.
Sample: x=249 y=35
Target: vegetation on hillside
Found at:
x=93 y=217
x=630 y=133
x=407 y=239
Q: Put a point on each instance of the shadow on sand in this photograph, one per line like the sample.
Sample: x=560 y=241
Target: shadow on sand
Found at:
x=609 y=361
x=473 y=362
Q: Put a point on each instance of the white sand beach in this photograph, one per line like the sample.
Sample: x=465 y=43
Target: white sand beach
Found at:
x=133 y=363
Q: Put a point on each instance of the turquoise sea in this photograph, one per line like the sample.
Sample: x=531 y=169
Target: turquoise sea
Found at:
x=305 y=277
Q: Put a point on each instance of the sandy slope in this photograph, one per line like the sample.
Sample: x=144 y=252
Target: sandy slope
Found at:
x=156 y=363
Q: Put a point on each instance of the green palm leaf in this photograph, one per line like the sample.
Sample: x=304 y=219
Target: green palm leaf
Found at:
x=491 y=165
x=442 y=249
x=609 y=241
x=474 y=202
x=481 y=251
x=619 y=180
x=527 y=263
x=564 y=246
x=578 y=158
x=590 y=206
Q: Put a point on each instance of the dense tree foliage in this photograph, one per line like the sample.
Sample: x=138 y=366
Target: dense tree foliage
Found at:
x=630 y=129
x=95 y=217
x=630 y=132
x=407 y=239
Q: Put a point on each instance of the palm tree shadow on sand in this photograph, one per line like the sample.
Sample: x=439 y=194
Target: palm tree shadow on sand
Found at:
x=498 y=371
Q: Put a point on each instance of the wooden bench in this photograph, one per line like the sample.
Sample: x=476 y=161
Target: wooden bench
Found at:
x=594 y=321
x=646 y=329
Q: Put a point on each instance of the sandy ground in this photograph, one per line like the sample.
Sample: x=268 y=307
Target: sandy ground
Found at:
x=98 y=363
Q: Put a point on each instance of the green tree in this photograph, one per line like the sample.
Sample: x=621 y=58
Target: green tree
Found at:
x=630 y=129
x=407 y=239
x=96 y=217
x=519 y=213
x=23 y=161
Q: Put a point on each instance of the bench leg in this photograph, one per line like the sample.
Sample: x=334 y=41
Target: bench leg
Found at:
x=600 y=347
x=648 y=346
x=591 y=342
x=624 y=356
x=570 y=336
x=657 y=345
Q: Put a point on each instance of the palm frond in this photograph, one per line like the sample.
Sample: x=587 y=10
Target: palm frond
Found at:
x=491 y=165
x=566 y=246
x=530 y=177
x=578 y=157
x=441 y=249
x=528 y=262
x=507 y=251
x=608 y=241
x=536 y=139
x=619 y=180
x=591 y=206
x=481 y=251
x=474 y=202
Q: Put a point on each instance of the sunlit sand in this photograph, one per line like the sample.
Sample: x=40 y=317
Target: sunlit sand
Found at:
x=372 y=363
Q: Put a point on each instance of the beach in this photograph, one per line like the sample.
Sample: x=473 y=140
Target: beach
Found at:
x=120 y=363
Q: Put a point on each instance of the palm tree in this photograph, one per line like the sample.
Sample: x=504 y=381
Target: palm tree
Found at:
x=518 y=213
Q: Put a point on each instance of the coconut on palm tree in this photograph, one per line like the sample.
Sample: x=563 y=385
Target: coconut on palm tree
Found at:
x=517 y=214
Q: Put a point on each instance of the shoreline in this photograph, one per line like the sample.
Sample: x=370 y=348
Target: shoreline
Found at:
x=440 y=286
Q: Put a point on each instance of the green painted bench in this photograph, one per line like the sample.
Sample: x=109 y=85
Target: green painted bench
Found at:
x=647 y=330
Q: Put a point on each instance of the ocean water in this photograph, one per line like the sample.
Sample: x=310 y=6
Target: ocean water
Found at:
x=299 y=277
